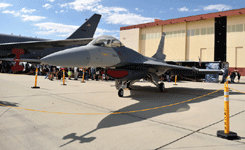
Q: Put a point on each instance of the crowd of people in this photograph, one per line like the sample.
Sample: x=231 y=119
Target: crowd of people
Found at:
x=98 y=73
x=55 y=72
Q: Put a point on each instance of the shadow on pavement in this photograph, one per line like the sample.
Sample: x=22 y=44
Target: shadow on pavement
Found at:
x=4 y=103
x=150 y=97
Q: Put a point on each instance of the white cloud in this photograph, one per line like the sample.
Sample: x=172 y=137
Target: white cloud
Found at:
x=24 y=10
x=61 y=11
x=81 y=5
x=32 y=18
x=47 y=6
x=108 y=10
x=112 y=15
x=219 y=7
x=4 y=5
x=127 y=19
x=92 y=5
x=11 y=12
x=51 y=0
x=183 y=9
x=171 y=8
x=58 y=29
x=100 y=32
x=196 y=9
x=137 y=9
x=63 y=30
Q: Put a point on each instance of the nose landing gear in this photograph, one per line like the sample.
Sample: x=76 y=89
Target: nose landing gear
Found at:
x=120 y=86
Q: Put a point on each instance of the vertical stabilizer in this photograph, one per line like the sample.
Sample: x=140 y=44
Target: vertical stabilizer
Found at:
x=87 y=30
x=159 y=54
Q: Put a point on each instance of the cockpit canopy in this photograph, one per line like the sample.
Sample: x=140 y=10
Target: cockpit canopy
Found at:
x=107 y=41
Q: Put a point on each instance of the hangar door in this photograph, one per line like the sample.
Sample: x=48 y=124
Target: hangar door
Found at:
x=220 y=39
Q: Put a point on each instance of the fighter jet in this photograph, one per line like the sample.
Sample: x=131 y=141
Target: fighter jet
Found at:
x=36 y=48
x=123 y=64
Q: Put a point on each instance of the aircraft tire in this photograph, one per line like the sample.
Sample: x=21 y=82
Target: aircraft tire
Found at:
x=120 y=92
x=161 y=87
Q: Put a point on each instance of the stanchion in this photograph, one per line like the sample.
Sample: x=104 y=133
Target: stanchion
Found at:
x=63 y=77
x=83 y=76
x=35 y=86
x=175 y=80
x=226 y=134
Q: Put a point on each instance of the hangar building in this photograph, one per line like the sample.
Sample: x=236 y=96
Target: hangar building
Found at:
x=216 y=36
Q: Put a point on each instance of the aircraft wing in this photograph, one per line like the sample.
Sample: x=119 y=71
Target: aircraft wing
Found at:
x=21 y=60
x=161 y=65
x=40 y=45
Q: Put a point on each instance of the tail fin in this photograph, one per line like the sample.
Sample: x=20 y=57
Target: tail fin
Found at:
x=87 y=29
x=159 y=54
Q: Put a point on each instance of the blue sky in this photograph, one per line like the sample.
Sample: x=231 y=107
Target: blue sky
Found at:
x=57 y=19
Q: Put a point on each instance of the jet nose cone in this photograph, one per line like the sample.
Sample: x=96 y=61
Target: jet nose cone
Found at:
x=68 y=58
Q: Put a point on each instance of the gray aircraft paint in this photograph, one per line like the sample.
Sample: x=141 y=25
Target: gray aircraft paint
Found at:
x=36 y=48
x=119 y=57
x=106 y=51
x=5 y=38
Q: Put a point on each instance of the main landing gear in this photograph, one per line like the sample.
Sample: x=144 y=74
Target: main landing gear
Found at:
x=120 y=86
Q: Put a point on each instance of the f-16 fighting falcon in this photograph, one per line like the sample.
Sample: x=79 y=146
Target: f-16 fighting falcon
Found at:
x=32 y=49
x=123 y=64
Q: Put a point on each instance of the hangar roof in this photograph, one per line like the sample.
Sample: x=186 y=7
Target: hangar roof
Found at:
x=187 y=19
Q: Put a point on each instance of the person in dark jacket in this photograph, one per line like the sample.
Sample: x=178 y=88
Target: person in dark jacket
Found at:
x=233 y=76
x=225 y=74
x=238 y=76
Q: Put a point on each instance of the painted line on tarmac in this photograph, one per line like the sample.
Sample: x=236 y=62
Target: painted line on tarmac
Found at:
x=237 y=90
x=113 y=113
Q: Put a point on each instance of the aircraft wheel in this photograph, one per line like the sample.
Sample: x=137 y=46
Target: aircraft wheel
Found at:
x=161 y=87
x=120 y=92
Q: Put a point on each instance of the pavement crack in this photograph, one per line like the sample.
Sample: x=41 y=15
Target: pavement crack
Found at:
x=198 y=131
x=175 y=140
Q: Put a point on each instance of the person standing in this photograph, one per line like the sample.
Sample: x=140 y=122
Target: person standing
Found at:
x=225 y=74
x=238 y=76
x=92 y=70
x=168 y=76
x=47 y=72
x=76 y=69
x=233 y=76
x=97 y=73
x=69 y=73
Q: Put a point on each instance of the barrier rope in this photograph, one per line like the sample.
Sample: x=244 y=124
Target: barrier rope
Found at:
x=187 y=78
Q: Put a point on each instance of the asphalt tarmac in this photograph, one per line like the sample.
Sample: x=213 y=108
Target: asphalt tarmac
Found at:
x=91 y=115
